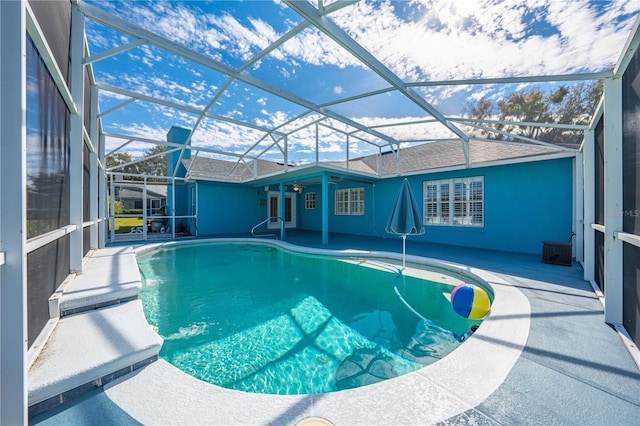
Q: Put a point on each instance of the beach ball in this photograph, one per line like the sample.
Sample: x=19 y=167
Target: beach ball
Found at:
x=470 y=301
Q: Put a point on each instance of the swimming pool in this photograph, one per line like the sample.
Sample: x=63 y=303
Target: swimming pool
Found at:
x=322 y=324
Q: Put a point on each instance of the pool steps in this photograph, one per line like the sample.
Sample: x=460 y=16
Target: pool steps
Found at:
x=101 y=334
x=108 y=276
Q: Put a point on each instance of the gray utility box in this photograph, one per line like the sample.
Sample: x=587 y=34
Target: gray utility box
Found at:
x=556 y=253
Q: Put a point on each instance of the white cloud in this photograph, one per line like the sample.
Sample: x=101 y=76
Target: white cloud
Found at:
x=450 y=39
x=98 y=39
x=210 y=33
x=222 y=135
x=479 y=94
x=441 y=39
x=199 y=86
x=271 y=119
x=418 y=40
x=169 y=85
x=136 y=148
x=313 y=47
x=406 y=132
x=285 y=73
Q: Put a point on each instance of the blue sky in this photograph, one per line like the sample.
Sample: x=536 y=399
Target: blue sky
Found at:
x=418 y=40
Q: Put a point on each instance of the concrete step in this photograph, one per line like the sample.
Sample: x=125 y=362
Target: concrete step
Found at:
x=109 y=276
x=88 y=350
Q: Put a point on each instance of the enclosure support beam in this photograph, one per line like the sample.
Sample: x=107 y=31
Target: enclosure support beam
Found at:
x=286 y=153
x=347 y=151
x=76 y=138
x=102 y=196
x=173 y=209
x=197 y=197
x=145 y=206
x=112 y=208
x=94 y=169
x=325 y=208
x=317 y=145
x=281 y=209
x=613 y=200
x=13 y=229
x=578 y=207
x=588 y=159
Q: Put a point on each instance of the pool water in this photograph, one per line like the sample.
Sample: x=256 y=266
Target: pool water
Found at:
x=257 y=318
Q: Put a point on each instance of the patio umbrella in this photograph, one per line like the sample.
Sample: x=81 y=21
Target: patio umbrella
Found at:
x=405 y=218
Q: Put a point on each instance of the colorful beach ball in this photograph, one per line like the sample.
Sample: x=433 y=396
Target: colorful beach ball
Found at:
x=470 y=301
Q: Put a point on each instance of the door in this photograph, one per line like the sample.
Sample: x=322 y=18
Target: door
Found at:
x=129 y=219
x=274 y=210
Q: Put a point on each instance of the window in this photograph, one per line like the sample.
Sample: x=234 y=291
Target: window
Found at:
x=436 y=202
x=458 y=202
x=155 y=204
x=349 y=201
x=310 y=200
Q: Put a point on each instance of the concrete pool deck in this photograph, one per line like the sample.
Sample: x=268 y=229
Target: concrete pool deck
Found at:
x=568 y=368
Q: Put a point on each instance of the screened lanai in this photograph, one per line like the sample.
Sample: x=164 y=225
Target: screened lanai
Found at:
x=266 y=87
x=135 y=117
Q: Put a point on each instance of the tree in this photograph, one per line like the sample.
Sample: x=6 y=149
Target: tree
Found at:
x=576 y=105
x=566 y=105
x=532 y=106
x=154 y=163
x=482 y=110
x=120 y=159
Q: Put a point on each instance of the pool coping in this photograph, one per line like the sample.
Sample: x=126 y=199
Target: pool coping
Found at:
x=446 y=388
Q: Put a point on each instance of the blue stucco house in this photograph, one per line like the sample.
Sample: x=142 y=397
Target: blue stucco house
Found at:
x=509 y=197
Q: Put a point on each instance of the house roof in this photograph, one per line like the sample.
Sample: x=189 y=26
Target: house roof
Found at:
x=439 y=155
x=420 y=158
x=228 y=171
x=157 y=191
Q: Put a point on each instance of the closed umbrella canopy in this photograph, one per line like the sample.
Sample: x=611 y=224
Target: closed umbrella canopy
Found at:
x=405 y=218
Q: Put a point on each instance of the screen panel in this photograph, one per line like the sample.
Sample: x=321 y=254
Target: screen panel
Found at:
x=631 y=196
x=599 y=172
x=599 y=260
x=87 y=103
x=630 y=291
x=47 y=267
x=631 y=146
x=48 y=156
x=54 y=18
x=48 y=149
x=86 y=199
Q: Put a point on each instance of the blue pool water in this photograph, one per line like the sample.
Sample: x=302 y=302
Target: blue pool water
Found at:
x=257 y=318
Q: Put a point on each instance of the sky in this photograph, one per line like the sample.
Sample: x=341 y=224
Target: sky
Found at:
x=417 y=40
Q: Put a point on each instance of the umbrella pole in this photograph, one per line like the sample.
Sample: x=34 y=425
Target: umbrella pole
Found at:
x=404 y=238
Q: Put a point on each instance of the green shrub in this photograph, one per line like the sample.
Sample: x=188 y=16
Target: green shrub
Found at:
x=118 y=207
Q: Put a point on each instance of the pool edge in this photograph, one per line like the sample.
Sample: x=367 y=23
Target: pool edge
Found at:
x=464 y=378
